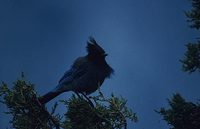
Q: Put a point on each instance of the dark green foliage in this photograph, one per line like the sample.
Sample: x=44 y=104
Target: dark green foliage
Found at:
x=108 y=113
x=22 y=104
x=191 y=61
x=27 y=113
x=194 y=14
x=181 y=114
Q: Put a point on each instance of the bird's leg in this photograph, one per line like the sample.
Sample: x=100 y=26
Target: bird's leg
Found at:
x=90 y=102
x=78 y=95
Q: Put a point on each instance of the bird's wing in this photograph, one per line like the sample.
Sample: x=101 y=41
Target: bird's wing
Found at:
x=67 y=76
x=66 y=82
x=78 y=69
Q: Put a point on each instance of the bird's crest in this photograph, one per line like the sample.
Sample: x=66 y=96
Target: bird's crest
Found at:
x=94 y=48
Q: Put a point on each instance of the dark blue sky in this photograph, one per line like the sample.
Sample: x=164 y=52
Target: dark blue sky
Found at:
x=144 y=38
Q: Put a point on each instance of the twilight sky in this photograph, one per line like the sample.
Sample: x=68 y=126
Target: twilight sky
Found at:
x=144 y=38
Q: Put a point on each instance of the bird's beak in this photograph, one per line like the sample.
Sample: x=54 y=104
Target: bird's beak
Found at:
x=105 y=55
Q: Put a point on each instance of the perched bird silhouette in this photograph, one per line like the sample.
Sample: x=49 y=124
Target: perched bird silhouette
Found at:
x=86 y=74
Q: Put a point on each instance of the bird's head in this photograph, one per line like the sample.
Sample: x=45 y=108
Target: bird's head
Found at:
x=97 y=55
x=95 y=52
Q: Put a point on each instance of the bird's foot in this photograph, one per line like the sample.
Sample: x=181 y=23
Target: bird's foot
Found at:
x=85 y=96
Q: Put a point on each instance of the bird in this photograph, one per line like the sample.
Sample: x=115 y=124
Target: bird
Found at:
x=86 y=74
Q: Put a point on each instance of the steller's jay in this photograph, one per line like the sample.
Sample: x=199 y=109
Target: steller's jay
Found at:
x=86 y=74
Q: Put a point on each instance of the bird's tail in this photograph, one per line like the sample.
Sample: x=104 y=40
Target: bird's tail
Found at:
x=49 y=96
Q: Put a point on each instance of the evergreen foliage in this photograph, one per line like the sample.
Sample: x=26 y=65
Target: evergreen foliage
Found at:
x=181 y=114
x=27 y=113
x=191 y=60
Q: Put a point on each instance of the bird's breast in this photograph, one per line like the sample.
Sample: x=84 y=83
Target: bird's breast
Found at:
x=91 y=81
